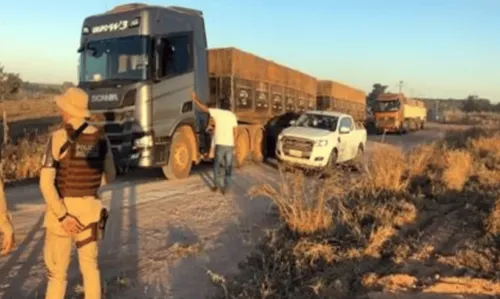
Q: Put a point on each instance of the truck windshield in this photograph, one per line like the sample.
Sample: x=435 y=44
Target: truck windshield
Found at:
x=317 y=121
x=125 y=58
x=386 y=106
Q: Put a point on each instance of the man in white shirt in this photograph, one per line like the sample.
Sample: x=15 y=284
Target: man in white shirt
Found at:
x=224 y=136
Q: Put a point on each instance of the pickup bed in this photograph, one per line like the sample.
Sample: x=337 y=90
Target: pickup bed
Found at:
x=321 y=139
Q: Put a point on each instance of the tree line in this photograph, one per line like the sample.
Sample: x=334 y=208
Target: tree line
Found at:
x=12 y=87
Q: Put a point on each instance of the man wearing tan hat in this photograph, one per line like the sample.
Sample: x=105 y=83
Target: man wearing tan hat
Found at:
x=77 y=161
x=5 y=224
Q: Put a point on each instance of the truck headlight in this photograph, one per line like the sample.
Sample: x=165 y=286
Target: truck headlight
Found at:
x=144 y=142
x=280 y=136
x=321 y=143
x=129 y=115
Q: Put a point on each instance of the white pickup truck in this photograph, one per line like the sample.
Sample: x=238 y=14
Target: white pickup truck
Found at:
x=321 y=139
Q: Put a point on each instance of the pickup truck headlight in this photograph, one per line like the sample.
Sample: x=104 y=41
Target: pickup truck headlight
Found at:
x=321 y=143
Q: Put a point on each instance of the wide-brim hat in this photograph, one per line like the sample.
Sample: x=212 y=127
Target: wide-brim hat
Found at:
x=75 y=102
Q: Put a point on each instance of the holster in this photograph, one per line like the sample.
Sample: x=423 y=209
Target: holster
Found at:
x=97 y=230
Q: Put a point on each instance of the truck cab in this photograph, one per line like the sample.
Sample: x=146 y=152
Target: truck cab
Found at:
x=321 y=139
x=139 y=65
x=396 y=113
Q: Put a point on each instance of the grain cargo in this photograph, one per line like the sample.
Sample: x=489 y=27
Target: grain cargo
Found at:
x=257 y=88
x=335 y=96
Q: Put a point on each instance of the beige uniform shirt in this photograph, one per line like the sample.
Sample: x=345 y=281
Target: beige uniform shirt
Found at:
x=5 y=224
x=86 y=209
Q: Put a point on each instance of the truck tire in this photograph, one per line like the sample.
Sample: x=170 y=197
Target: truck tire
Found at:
x=242 y=147
x=180 y=158
x=258 y=146
x=421 y=125
x=332 y=160
x=358 y=159
x=403 y=129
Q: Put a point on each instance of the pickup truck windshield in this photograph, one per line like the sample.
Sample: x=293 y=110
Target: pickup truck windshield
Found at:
x=317 y=121
x=387 y=106
x=124 y=58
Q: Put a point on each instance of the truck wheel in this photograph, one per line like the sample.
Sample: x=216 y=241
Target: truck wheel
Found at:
x=403 y=129
x=242 y=147
x=180 y=158
x=358 y=160
x=421 y=125
x=332 y=160
x=258 y=146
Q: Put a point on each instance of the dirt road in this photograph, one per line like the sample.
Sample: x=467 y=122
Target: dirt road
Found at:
x=162 y=237
x=431 y=132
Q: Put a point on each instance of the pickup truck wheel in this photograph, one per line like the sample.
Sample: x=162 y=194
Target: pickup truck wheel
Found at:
x=180 y=158
x=358 y=160
x=332 y=161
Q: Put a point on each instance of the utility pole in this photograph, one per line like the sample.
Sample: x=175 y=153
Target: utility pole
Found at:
x=400 y=85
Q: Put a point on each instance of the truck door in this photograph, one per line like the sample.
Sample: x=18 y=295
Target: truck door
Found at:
x=345 y=142
x=172 y=95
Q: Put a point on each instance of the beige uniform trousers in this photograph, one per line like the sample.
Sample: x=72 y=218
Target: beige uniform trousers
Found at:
x=58 y=246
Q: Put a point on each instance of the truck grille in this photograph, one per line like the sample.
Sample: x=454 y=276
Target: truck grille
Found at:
x=298 y=144
x=118 y=128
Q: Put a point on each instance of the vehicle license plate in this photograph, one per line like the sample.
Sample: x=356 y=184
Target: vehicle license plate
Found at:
x=295 y=153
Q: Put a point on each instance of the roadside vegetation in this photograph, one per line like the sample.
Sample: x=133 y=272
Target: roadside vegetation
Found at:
x=427 y=221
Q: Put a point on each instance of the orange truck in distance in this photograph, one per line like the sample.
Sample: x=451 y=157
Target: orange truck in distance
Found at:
x=397 y=113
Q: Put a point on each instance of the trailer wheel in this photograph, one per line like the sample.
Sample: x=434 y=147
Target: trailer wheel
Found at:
x=242 y=145
x=258 y=146
x=180 y=158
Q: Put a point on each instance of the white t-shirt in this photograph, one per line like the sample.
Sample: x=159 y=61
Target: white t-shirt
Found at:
x=225 y=121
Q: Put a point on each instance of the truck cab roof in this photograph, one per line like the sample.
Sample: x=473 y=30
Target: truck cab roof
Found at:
x=141 y=19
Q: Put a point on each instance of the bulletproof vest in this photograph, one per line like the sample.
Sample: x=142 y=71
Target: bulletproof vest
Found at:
x=79 y=173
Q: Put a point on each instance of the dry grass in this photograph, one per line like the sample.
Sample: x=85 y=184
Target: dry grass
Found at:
x=22 y=155
x=425 y=221
x=24 y=109
x=303 y=216
x=472 y=118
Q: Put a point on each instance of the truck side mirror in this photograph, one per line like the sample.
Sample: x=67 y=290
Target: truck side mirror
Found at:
x=344 y=130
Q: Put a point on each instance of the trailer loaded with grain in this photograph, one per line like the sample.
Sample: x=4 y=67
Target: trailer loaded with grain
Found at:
x=256 y=89
x=139 y=65
x=335 y=96
x=397 y=113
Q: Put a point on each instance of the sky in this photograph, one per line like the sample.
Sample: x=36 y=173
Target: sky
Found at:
x=438 y=48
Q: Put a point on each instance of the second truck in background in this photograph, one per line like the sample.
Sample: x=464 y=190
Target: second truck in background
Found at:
x=397 y=113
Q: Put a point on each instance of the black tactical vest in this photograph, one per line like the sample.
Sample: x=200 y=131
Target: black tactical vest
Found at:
x=79 y=173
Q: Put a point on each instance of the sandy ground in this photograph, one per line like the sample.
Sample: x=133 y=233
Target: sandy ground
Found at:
x=163 y=237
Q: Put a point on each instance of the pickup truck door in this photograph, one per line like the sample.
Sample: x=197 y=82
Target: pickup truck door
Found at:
x=345 y=140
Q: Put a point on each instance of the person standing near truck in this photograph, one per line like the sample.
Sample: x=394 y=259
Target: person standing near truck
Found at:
x=224 y=135
x=77 y=161
x=8 y=241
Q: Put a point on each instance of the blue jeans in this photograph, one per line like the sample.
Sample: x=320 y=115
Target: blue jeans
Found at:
x=223 y=156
